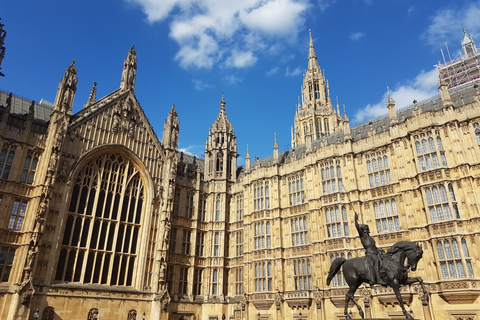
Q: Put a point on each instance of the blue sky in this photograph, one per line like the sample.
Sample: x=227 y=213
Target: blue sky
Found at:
x=255 y=50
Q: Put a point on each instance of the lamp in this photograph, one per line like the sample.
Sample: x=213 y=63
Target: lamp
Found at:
x=143 y=317
x=223 y=316
x=36 y=314
x=350 y=313
x=258 y=315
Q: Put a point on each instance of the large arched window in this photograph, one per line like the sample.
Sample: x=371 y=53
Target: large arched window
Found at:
x=103 y=223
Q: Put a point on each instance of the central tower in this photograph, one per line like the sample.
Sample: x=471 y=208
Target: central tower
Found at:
x=315 y=116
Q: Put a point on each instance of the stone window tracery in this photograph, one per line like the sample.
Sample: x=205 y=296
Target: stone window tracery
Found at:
x=202 y=207
x=103 y=224
x=173 y=240
x=263 y=276
x=217 y=209
x=262 y=235
x=302 y=274
x=214 y=282
x=454 y=259
x=299 y=231
x=386 y=216
x=430 y=152
x=183 y=282
x=331 y=174
x=186 y=242
x=240 y=207
x=239 y=243
x=476 y=126
x=176 y=203
x=29 y=168
x=199 y=245
x=442 y=204
x=7 y=255
x=296 y=193
x=238 y=281
x=261 y=196
x=197 y=281
x=216 y=244
x=189 y=205
x=6 y=161
x=337 y=221
x=17 y=215
x=378 y=169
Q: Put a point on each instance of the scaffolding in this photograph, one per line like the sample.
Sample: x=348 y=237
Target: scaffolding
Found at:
x=465 y=67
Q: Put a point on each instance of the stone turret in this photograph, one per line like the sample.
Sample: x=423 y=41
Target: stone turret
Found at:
x=221 y=148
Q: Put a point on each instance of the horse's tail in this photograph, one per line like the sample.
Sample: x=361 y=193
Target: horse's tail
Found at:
x=334 y=268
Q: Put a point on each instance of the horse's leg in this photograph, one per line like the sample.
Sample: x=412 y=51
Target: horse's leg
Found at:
x=351 y=296
x=345 y=311
x=413 y=280
x=396 y=288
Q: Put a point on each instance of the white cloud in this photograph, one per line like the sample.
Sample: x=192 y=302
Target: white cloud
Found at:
x=410 y=10
x=357 y=36
x=297 y=71
x=272 y=71
x=232 y=80
x=446 y=24
x=241 y=59
x=325 y=4
x=273 y=17
x=424 y=86
x=155 y=10
x=205 y=30
x=193 y=150
x=199 y=85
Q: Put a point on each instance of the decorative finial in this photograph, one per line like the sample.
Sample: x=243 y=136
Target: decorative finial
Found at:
x=223 y=102
x=310 y=32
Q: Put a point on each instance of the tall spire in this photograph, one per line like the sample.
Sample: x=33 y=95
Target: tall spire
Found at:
x=312 y=56
x=318 y=117
x=129 y=70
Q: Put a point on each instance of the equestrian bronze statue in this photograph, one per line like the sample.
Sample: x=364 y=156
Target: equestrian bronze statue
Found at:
x=377 y=267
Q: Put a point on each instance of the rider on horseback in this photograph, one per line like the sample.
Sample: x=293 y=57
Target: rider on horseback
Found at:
x=372 y=253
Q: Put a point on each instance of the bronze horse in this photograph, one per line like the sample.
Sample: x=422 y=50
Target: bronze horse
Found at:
x=394 y=272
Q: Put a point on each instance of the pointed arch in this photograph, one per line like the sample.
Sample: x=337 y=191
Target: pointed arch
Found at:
x=106 y=220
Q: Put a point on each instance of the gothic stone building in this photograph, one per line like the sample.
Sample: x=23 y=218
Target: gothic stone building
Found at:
x=102 y=220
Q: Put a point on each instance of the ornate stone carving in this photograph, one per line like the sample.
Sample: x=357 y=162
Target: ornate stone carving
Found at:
x=125 y=117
